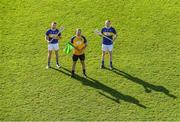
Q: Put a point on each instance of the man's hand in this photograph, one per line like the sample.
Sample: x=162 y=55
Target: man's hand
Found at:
x=49 y=42
x=114 y=37
x=77 y=49
x=98 y=32
x=56 y=37
x=83 y=48
x=53 y=36
x=61 y=29
x=47 y=39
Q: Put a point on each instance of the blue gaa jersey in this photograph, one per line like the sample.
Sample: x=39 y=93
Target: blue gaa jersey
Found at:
x=108 y=32
x=50 y=33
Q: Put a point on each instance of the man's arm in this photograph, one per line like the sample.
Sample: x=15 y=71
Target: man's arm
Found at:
x=115 y=34
x=58 y=37
x=84 y=46
x=47 y=38
x=114 y=37
x=98 y=32
x=101 y=33
x=71 y=41
x=85 y=42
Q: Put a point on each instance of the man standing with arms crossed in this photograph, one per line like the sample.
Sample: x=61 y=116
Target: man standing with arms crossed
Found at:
x=109 y=35
x=52 y=37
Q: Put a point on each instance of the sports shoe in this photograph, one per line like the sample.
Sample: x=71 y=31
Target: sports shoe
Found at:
x=111 y=67
x=72 y=75
x=102 y=67
x=58 y=65
x=48 y=66
x=84 y=75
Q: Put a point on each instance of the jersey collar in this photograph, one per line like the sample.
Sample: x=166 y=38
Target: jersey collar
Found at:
x=107 y=27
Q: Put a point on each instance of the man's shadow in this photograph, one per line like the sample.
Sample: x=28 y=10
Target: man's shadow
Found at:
x=147 y=86
x=112 y=93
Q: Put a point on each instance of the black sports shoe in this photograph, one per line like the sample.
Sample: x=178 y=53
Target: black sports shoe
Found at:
x=102 y=67
x=72 y=75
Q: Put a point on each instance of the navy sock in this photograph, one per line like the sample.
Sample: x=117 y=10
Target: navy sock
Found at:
x=72 y=72
x=57 y=62
x=111 y=63
x=84 y=71
x=48 y=63
x=103 y=63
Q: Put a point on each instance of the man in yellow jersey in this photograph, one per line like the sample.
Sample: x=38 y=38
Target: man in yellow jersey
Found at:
x=80 y=44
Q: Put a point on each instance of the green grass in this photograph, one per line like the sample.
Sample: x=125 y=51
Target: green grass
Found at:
x=144 y=86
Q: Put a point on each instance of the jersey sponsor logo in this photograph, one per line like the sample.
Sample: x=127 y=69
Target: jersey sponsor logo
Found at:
x=79 y=42
x=107 y=34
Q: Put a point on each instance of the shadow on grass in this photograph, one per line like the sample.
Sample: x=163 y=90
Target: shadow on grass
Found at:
x=147 y=86
x=113 y=94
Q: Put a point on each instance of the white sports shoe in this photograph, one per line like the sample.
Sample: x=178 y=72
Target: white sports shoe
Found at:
x=110 y=67
x=48 y=66
x=58 y=65
x=84 y=75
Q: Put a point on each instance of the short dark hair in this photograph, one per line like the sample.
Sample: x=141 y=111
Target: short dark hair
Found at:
x=78 y=29
x=54 y=22
x=108 y=21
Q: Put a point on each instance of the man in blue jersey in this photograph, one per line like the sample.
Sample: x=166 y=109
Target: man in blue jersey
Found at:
x=107 y=42
x=52 y=37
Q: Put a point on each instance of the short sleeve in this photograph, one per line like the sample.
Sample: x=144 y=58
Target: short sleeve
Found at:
x=47 y=33
x=102 y=30
x=72 y=39
x=114 y=31
x=59 y=34
x=85 y=40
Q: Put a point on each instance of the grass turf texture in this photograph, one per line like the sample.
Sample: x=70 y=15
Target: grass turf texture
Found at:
x=144 y=85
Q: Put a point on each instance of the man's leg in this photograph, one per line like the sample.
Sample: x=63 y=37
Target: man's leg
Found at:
x=103 y=54
x=82 y=58
x=49 y=58
x=73 y=68
x=74 y=58
x=57 y=58
x=110 y=48
x=83 y=68
x=110 y=56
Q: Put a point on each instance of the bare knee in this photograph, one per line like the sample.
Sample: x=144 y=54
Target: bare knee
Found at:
x=103 y=53
x=74 y=62
x=49 y=53
x=82 y=62
x=110 y=52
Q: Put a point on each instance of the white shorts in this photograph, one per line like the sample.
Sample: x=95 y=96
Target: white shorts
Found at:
x=107 y=47
x=53 y=46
